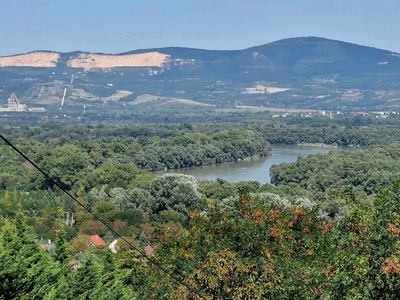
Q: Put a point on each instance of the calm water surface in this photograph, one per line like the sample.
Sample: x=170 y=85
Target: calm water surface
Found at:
x=256 y=169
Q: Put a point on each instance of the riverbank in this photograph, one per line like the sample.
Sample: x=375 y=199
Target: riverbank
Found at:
x=317 y=145
x=249 y=158
x=255 y=169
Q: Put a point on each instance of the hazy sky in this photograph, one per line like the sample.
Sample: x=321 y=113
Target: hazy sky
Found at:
x=121 y=25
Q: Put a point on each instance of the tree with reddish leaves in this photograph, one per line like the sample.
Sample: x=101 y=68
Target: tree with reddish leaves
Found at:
x=250 y=252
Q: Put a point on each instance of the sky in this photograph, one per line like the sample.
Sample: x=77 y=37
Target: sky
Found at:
x=117 y=26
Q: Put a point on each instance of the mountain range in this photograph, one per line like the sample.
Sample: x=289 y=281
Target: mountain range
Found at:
x=294 y=73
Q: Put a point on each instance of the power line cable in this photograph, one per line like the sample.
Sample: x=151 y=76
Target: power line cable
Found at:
x=177 y=280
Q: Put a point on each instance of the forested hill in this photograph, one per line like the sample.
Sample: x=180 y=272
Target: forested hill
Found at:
x=329 y=229
x=303 y=72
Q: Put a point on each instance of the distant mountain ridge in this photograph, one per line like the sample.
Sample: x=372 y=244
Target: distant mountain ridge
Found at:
x=278 y=50
x=304 y=72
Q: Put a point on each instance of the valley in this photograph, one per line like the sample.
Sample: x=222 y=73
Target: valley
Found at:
x=269 y=171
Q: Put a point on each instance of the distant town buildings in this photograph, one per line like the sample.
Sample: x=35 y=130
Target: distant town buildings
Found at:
x=15 y=105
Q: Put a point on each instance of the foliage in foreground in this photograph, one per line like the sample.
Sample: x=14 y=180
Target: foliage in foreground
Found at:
x=261 y=251
x=243 y=248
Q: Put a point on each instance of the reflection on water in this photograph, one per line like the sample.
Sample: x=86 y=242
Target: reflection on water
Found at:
x=256 y=169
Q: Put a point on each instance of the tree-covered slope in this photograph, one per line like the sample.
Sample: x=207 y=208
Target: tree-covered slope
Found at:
x=317 y=73
x=364 y=169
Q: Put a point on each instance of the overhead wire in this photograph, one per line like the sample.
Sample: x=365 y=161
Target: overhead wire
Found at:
x=159 y=266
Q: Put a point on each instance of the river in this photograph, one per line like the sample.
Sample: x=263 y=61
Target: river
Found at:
x=256 y=169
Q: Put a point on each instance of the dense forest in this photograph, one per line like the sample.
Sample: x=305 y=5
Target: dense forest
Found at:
x=363 y=169
x=87 y=158
x=328 y=228
x=344 y=132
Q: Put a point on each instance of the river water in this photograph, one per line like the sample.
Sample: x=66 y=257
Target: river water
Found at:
x=256 y=169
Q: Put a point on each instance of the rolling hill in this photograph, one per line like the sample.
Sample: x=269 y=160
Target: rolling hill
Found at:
x=304 y=72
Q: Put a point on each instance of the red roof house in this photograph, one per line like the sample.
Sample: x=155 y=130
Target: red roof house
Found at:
x=97 y=241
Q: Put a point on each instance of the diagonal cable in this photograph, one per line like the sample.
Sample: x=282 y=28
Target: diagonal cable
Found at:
x=177 y=280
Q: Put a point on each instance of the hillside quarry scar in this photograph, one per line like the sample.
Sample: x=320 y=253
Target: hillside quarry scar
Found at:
x=85 y=60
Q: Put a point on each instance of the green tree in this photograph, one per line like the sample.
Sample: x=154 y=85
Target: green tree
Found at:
x=177 y=192
x=61 y=247
x=105 y=211
x=27 y=272
x=142 y=240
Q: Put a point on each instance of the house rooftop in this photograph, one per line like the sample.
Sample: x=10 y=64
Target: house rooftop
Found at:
x=97 y=241
x=46 y=244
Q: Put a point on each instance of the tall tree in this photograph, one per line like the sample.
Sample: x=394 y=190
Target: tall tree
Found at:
x=61 y=247
x=27 y=272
